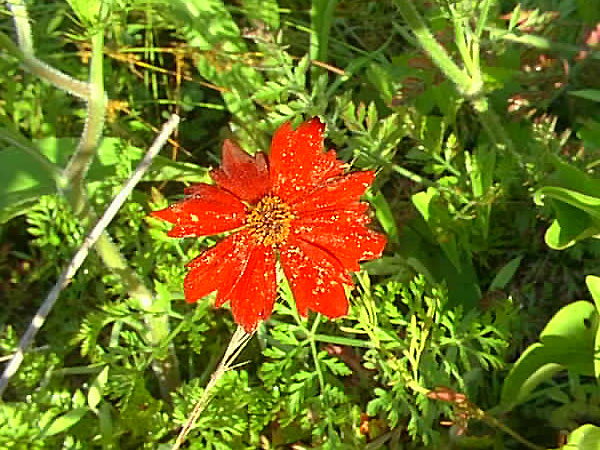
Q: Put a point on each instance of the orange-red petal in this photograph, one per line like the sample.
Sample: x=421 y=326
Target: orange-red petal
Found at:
x=245 y=176
x=315 y=277
x=348 y=243
x=297 y=160
x=208 y=210
x=337 y=191
x=217 y=268
x=353 y=213
x=253 y=295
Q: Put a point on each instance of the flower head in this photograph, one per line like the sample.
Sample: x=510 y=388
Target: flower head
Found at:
x=297 y=205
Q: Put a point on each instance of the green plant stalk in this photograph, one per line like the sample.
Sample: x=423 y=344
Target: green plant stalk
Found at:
x=321 y=13
x=490 y=420
x=166 y=370
x=491 y=123
x=435 y=51
x=470 y=86
x=26 y=55
x=81 y=160
x=23 y=29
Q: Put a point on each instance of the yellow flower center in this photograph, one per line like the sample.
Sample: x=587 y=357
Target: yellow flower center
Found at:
x=269 y=221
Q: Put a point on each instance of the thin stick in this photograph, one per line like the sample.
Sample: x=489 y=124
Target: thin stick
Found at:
x=83 y=251
x=237 y=343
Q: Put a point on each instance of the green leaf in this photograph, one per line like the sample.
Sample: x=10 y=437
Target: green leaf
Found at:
x=265 y=11
x=90 y=11
x=577 y=215
x=97 y=388
x=440 y=223
x=586 y=437
x=506 y=273
x=571 y=225
x=531 y=369
x=385 y=216
x=22 y=181
x=588 y=94
x=24 y=177
x=66 y=421
x=593 y=284
x=567 y=342
x=589 y=204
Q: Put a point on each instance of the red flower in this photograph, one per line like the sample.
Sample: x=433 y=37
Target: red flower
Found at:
x=298 y=204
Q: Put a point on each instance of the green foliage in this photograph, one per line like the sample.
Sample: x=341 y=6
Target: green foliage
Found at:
x=422 y=344
x=479 y=117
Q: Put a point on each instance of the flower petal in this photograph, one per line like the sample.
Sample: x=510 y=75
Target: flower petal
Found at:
x=208 y=210
x=353 y=213
x=253 y=295
x=346 y=242
x=315 y=278
x=297 y=161
x=337 y=191
x=217 y=268
x=245 y=176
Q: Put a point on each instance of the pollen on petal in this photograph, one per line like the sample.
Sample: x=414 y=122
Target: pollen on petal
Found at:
x=207 y=210
x=350 y=244
x=217 y=268
x=337 y=191
x=253 y=295
x=245 y=176
x=297 y=160
x=316 y=279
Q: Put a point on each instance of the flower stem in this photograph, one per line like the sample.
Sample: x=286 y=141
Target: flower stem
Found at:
x=238 y=342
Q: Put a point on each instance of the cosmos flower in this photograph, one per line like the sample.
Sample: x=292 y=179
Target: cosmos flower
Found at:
x=295 y=206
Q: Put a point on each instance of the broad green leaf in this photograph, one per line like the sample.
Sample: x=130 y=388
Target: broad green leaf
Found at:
x=24 y=178
x=571 y=225
x=577 y=215
x=505 y=274
x=589 y=204
x=593 y=285
x=570 y=336
x=22 y=181
x=586 y=437
x=531 y=369
x=570 y=177
x=567 y=342
x=65 y=421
